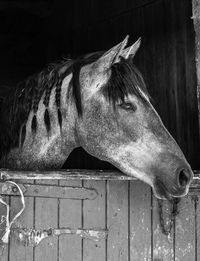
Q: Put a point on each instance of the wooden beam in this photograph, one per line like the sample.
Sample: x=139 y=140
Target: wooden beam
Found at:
x=196 y=21
x=75 y=174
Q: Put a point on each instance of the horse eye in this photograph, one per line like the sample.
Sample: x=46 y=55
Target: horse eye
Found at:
x=128 y=106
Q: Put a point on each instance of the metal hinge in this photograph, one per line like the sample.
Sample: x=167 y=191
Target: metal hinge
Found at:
x=49 y=191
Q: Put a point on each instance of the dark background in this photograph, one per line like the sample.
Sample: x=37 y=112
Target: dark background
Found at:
x=34 y=33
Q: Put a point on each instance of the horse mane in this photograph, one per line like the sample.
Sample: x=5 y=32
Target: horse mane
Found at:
x=125 y=79
x=16 y=105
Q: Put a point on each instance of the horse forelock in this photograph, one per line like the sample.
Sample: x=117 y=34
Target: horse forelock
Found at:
x=125 y=79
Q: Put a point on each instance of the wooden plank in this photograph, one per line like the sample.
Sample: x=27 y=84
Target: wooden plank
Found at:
x=18 y=250
x=191 y=88
x=181 y=76
x=140 y=221
x=4 y=248
x=162 y=244
x=46 y=215
x=77 y=175
x=161 y=89
x=67 y=174
x=70 y=215
x=117 y=221
x=94 y=217
x=197 y=226
x=196 y=20
x=21 y=251
x=170 y=65
x=185 y=230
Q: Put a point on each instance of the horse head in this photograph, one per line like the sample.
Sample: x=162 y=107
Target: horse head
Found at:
x=120 y=125
x=99 y=102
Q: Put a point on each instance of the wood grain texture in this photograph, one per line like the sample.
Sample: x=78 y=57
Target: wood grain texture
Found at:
x=127 y=215
x=4 y=253
x=170 y=65
x=181 y=108
x=117 y=221
x=4 y=248
x=162 y=244
x=21 y=251
x=46 y=216
x=196 y=20
x=197 y=227
x=140 y=221
x=77 y=175
x=94 y=217
x=18 y=250
x=185 y=230
x=48 y=191
x=70 y=215
x=158 y=41
x=191 y=88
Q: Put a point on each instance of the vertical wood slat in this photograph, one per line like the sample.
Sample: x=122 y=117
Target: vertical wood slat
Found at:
x=181 y=75
x=191 y=83
x=4 y=249
x=70 y=215
x=4 y=253
x=46 y=216
x=17 y=250
x=170 y=65
x=185 y=230
x=197 y=228
x=117 y=221
x=162 y=244
x=140 y=221
x=94 y=217
x=196 y=20
x=159 y=40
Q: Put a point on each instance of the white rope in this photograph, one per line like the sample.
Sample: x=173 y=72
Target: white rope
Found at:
x=9 y=223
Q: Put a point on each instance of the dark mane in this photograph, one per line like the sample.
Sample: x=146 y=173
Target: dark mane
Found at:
x=125 y=79
x=16 y=106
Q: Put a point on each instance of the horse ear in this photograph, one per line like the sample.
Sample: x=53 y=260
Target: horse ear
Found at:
x=111 y=56
x=131 y=50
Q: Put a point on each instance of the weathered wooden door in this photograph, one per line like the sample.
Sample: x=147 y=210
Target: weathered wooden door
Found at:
x=98 y=220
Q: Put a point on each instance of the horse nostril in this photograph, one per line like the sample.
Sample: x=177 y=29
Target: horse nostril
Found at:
x=184 y=177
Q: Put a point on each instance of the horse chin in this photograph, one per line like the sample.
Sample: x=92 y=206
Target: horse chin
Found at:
x=161 y=191
x=162 y=194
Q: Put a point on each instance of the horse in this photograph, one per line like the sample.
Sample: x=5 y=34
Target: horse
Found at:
x=99 y=102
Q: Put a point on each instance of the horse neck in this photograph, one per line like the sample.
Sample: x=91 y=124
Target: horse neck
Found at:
x=44 y=150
